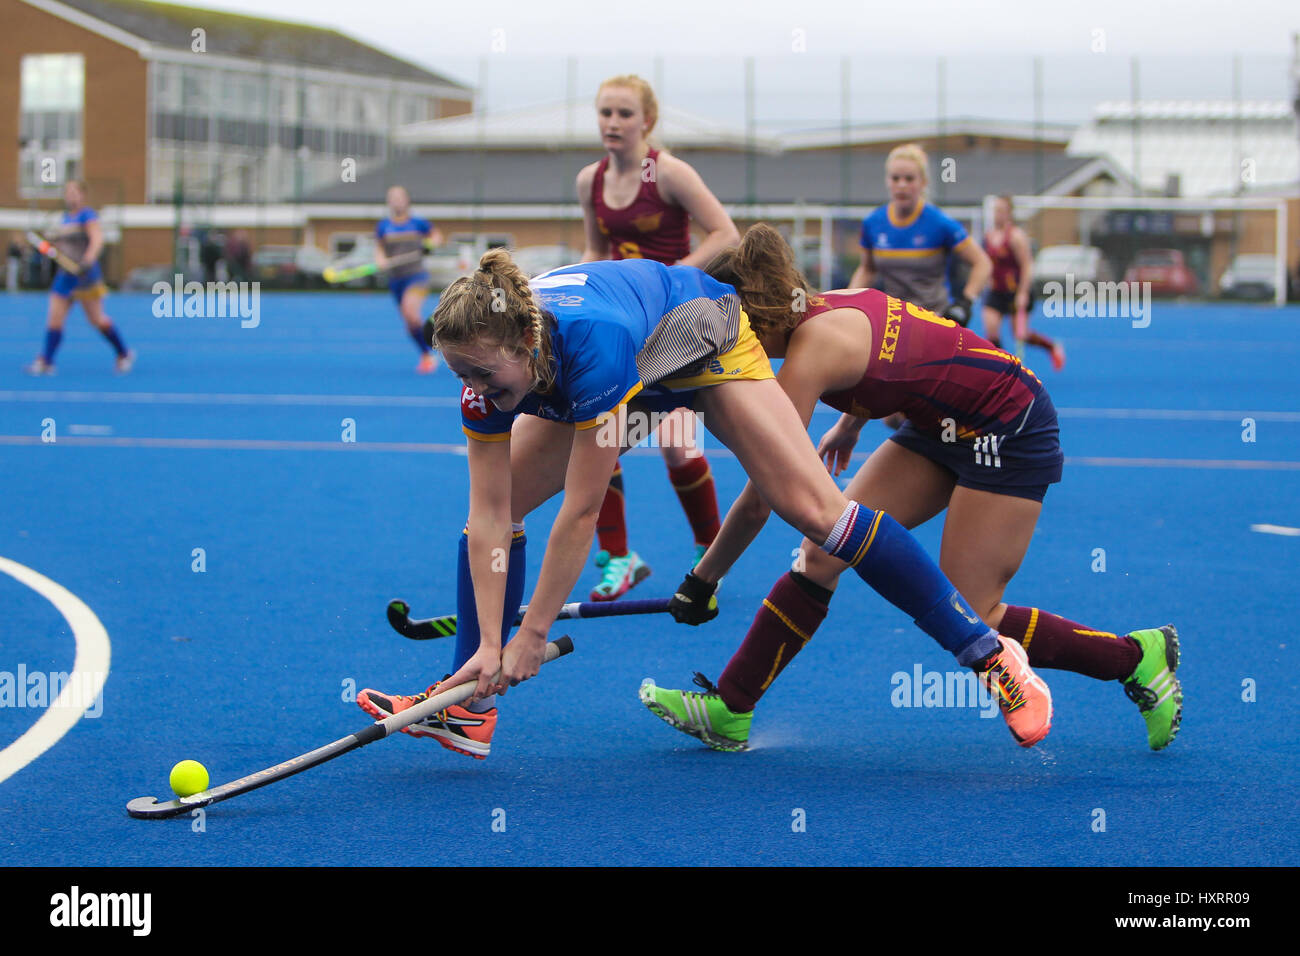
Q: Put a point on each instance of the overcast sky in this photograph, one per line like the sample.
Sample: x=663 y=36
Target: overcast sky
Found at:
x=1186 y=49
x=426 y=29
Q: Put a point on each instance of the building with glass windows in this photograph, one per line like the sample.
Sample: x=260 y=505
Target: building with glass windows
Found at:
x=160 y=105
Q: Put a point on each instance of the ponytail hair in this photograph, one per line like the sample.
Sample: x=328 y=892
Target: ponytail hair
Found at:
x=495 y=304
x=763 y=272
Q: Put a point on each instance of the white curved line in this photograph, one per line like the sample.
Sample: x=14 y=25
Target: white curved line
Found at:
x=89 y=671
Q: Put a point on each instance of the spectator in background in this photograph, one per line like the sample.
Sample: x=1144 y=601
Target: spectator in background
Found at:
x=238 y=255
x=13 y=263
x=209 y=254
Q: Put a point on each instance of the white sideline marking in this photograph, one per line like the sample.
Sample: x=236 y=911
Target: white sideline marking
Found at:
x=445 y=401
x=91 y=662
x=230 y=398
x=1233 y=463
x=90 y=429
x=440 y=448
x=1178 y=414
x=239 y=444
x=1276 y=529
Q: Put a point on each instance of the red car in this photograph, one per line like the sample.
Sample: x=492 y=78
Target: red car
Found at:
x=1166 y=270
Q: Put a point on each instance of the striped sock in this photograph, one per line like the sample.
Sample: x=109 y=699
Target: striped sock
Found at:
x=611 y=527
x=791 y=612
x=1052 y=641
x=888 y=558
x=693 y=483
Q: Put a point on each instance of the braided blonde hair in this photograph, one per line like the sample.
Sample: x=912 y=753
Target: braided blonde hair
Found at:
x=495 y=304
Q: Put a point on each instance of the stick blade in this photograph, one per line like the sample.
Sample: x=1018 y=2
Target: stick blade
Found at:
x=148 y=808
x=399 y=613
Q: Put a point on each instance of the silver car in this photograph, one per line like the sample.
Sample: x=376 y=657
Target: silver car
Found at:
x=1252 y=276
x=1058 y=263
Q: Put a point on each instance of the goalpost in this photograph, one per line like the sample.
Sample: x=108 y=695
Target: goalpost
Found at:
x=1210 y=232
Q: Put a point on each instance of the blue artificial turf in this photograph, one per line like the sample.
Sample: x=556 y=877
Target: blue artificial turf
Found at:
x=249 y=662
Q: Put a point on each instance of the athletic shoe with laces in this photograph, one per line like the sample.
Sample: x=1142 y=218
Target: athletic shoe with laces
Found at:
x=1022 y=695
x=1058 y=356
x=39 y=367
x=621 y=574
x=1153 y=686
x=702 y=715
x=456 y=728
x=124 y=363
x=428 y=364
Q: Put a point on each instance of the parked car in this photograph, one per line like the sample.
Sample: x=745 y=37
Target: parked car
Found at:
x=1251 y=276
x=1166 y=270
x=142 y=278
x=297 y=267
x=1059 y=263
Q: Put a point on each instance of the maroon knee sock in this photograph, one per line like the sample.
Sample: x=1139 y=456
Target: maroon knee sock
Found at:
x=693 y=482
x=611 y=528
x=1052 y=641
x=1037 y=338
x=792 y=611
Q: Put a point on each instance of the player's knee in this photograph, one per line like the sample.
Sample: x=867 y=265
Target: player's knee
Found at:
x=810 y=518
x=674 y=454
x=818 y=566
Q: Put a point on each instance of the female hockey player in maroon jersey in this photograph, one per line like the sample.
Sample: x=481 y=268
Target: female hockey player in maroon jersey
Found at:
x=980 y=439
x=638 y=203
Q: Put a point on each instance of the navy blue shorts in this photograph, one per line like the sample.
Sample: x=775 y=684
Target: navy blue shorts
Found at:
x=86 y=284
x=1004 y=303
x=398 y=287
x=1020 y=461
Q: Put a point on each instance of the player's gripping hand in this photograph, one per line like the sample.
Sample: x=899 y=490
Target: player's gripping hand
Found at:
x=836 y=447
x=959 y=311
x=694 y=602
x=481 y=668
x=521 y=659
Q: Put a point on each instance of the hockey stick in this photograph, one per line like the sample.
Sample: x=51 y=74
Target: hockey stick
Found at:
x=335 y=276
x=430 y=628
x=149 y=808
x=50 y=251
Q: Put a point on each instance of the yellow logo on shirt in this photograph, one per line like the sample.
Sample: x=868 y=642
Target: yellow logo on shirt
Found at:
x=893 y=325
x=648 y=223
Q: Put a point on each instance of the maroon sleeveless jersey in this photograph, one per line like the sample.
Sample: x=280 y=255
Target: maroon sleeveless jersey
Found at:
x=648 y=228
x=930 y=369
x=1006 y=270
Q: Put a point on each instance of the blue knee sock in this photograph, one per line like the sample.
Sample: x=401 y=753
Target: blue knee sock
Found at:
x=888 y=558
x=114 y=339
x=52 y=339
x=467 y=633
x=418 y=335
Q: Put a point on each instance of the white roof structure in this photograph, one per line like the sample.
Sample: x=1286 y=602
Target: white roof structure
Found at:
x=1214 y=147
x=875 y=133
x=568 y=125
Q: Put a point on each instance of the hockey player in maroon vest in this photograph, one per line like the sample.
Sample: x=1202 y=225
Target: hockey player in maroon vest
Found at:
x=638 y=203
x=980 y=440
x=1010 y=289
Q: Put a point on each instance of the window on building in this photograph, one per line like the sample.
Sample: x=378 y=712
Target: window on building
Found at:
x=51 y=101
